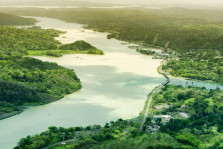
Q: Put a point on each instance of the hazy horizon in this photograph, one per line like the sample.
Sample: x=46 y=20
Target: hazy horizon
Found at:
x=161 y=3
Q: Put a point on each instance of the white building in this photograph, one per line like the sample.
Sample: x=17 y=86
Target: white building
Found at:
x=184 y=115
x=162 y=117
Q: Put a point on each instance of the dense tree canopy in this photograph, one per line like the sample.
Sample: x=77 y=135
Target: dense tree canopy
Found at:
x=9 y=19
x=187 y=30
x=23 y=80
x=203 y=128
x=196 y=35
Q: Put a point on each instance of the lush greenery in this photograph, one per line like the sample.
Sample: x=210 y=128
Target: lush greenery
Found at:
x=25 y=81
x=36 y=39
x=78 y=47
x=6 y=107
x=120 y=134
x=31 y=80
x=81 y=46
x=184 y=31
x=204 y=128
x=9 y=19
x=28 y=81
x=197 y=41
x=196 y=35
x=200 y=65
x=15 y=42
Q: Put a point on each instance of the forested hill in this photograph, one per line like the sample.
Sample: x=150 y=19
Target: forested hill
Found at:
x=196 y=35
x=9 y=19
x=28 y=81
x=185 y=30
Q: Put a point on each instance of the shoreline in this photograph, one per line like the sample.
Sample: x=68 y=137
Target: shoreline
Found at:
x=23 y=108
x=149 y=99
x=7 y=115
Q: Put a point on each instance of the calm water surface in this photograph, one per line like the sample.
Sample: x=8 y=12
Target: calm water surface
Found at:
x=115 y=86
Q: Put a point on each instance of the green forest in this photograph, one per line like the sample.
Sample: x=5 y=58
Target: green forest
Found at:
x=193 y=36
x=184 y=31
x=200 y=65
x=203 y=129
x=28 y=81
x=9 y=19
x=196 y=35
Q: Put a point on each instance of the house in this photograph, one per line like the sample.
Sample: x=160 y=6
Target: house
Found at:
x=162 y=117
x=184 y=115
x=153 y=130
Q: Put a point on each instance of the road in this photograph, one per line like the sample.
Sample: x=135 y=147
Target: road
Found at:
x=151 y=96
x=58 y=143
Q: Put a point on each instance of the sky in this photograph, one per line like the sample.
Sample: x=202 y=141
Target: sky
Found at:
x=197 y=3
x=159 y=1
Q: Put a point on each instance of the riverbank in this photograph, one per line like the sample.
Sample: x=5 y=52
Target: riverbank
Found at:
x=7 y=115
x=114 y=85
x=146 y=109
x=59 y=53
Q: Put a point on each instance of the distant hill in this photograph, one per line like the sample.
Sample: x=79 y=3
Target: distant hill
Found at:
x=198 y=4
x=9 y=19
x=55 y=3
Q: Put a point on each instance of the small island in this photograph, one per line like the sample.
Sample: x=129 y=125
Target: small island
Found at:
x=78 y=47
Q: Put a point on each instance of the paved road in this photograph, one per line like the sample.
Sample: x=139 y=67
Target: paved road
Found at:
x=151 y=96
x=58 y=143
x=148 y=106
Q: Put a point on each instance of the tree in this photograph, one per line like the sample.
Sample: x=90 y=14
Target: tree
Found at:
x=53 y=129
x=188 y=138
x=158 y=121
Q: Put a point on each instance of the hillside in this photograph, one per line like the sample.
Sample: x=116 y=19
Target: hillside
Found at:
x=28 y=81
x=185 y=30
x=193 y=37
x=9 y=19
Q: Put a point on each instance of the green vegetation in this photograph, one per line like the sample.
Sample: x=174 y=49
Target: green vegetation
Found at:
x=78 y=47
x=196 y=38
x=115 y=135
x=28 y=81
x=203 y=129
x=184 y=31
x=6 y=107
x=146 y=52
x=9 y=19
x=26 y=39
x=200 y=65
x=37 y=39
x=81 y=46
x=196 y=35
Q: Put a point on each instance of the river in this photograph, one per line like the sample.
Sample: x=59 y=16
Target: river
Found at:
x=115 y=86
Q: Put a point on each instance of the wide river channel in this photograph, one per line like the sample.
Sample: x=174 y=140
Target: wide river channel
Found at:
x=115 y=85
